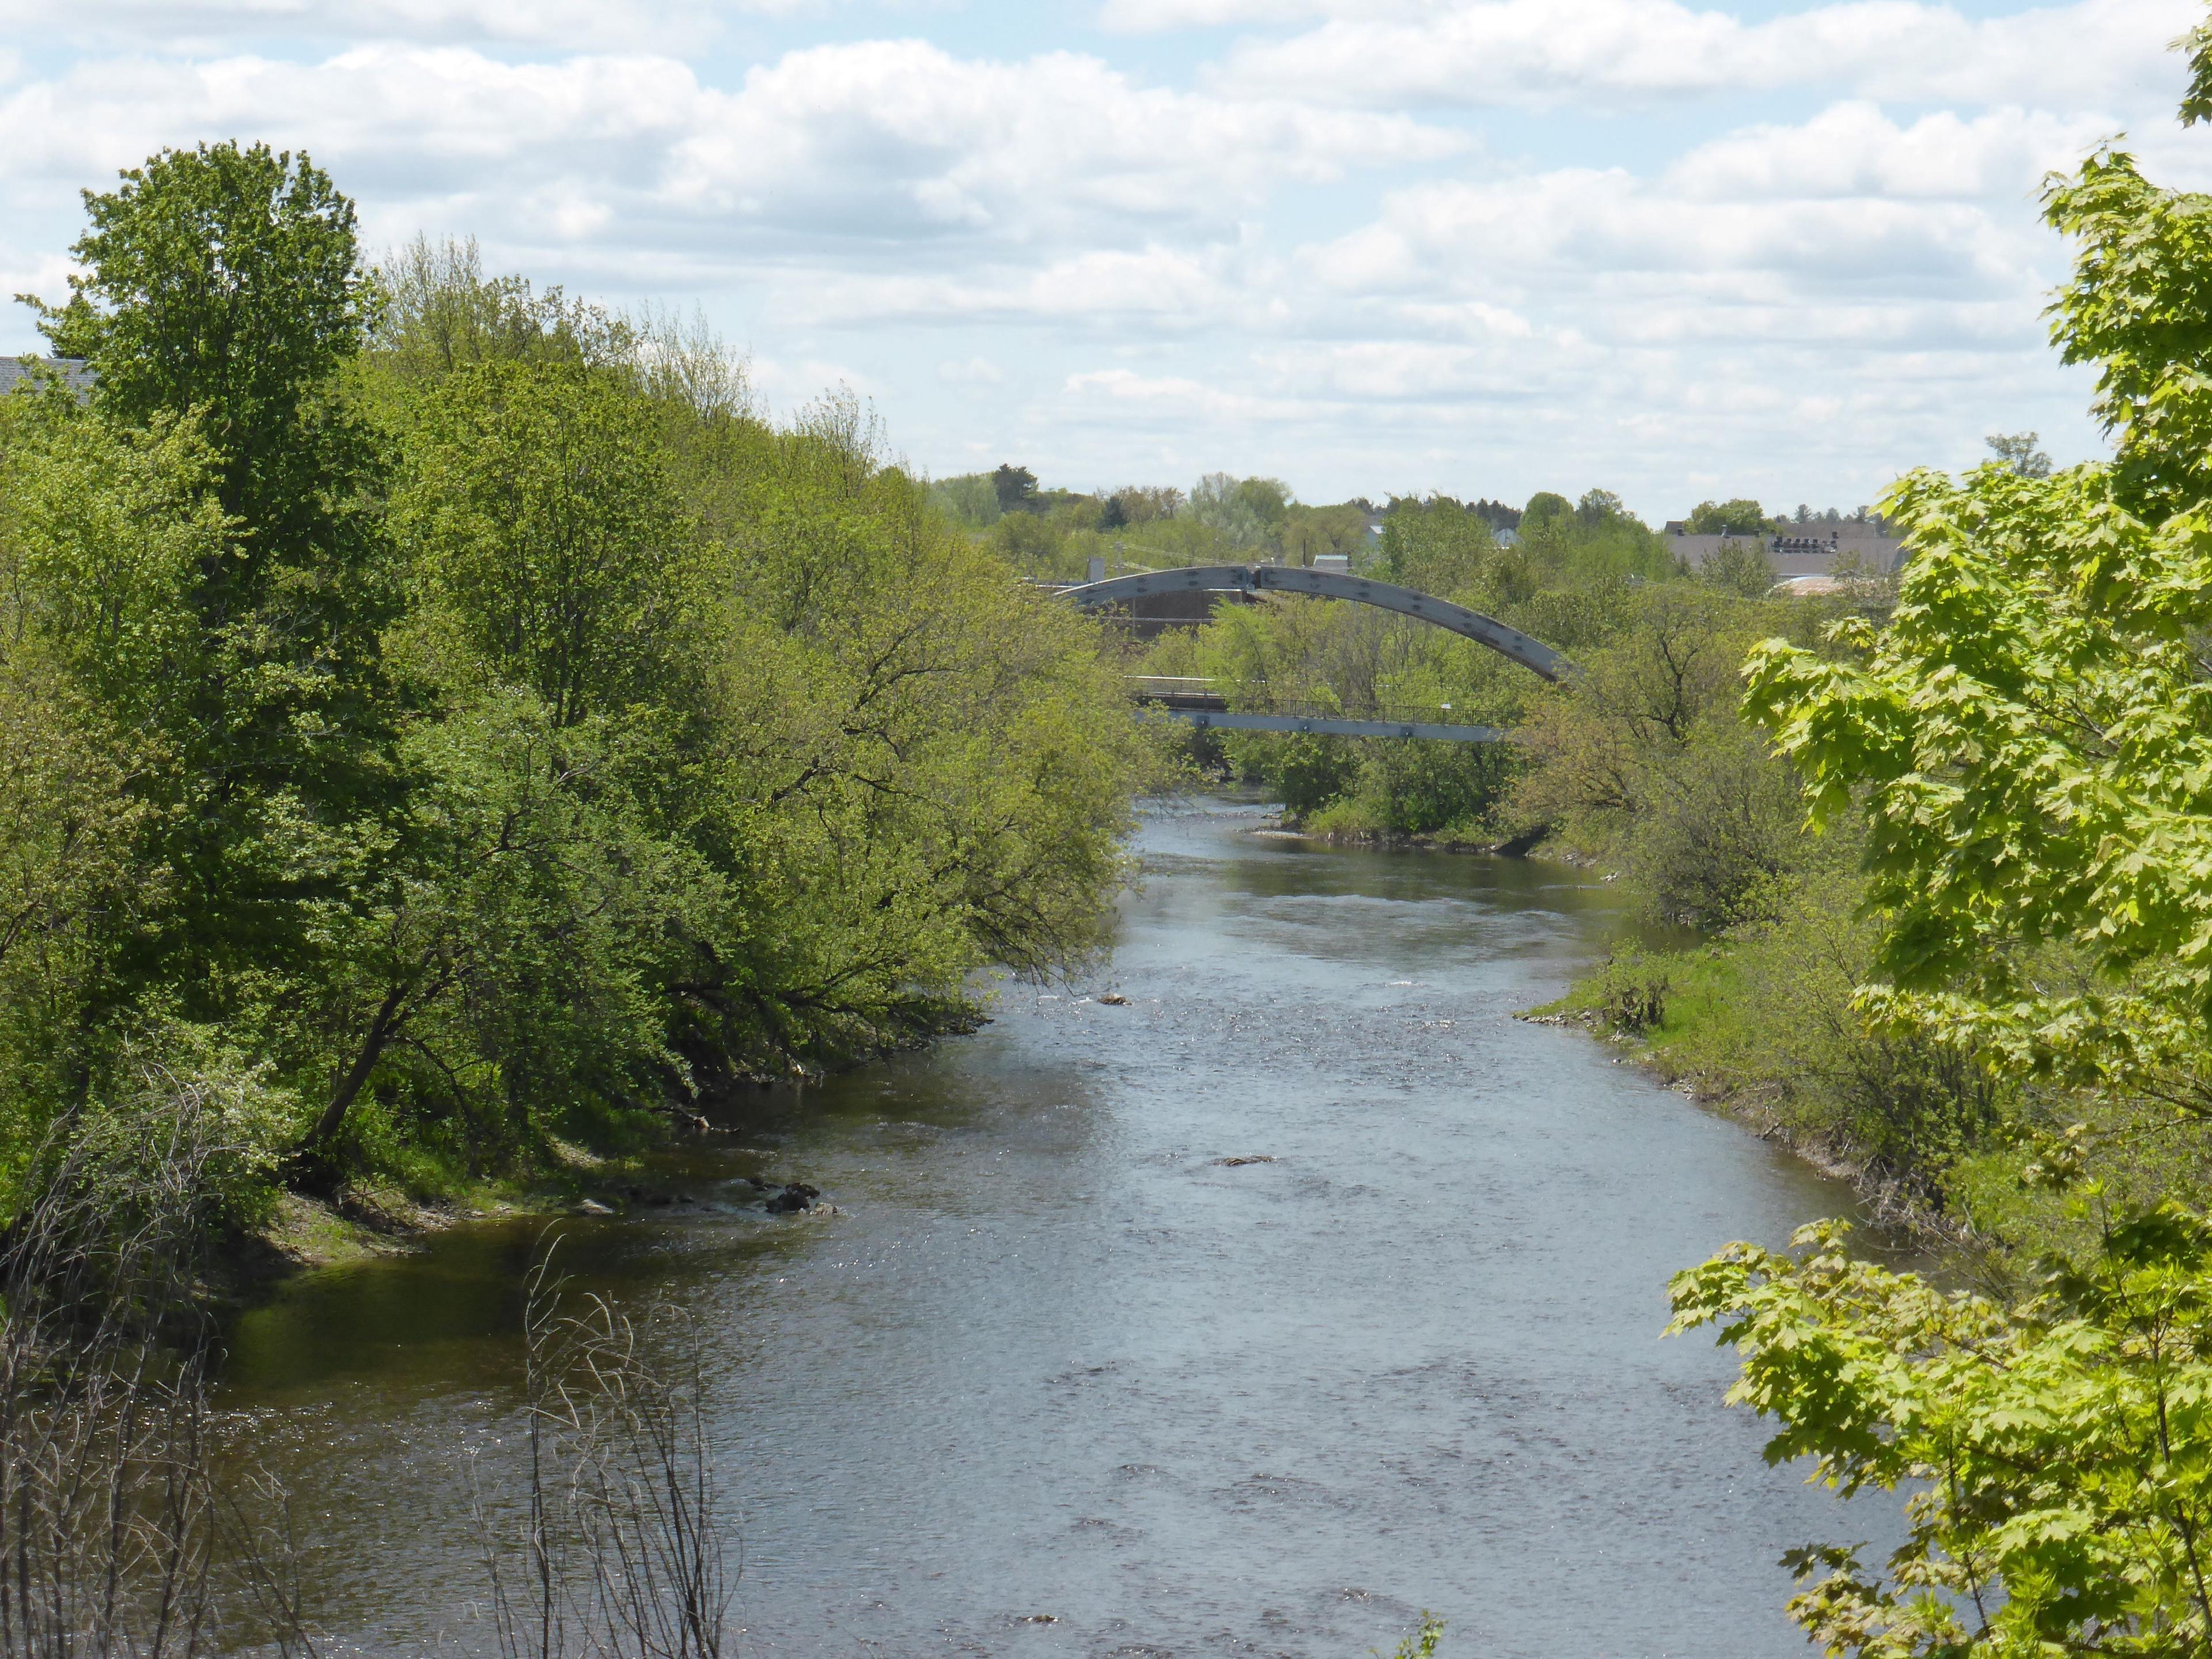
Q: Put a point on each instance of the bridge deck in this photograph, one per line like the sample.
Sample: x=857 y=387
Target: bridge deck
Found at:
x=1335 y=728
x=1201 y=704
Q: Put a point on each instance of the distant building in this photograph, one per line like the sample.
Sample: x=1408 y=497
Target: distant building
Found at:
x=1337 y=564
x=1809 y=549
x=24 y=372
x=1506 y=538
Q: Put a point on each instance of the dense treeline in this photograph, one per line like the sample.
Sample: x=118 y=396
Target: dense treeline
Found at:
x=438 y=717
x=1054 y=534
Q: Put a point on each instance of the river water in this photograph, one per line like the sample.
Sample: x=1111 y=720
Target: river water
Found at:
x=1054 y=1358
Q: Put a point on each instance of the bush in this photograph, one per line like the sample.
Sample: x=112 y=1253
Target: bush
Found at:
x=1787 y=1034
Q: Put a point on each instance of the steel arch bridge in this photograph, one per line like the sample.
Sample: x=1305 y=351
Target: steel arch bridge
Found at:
x=1508 y=642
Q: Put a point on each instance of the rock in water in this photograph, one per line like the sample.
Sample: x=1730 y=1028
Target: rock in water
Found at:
x=1115 y=999
x=795 y=1197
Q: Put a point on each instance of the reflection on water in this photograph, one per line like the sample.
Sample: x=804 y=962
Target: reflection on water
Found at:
x=1055 y=1357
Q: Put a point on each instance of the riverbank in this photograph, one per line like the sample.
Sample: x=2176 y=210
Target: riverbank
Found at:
x=1762 y=1027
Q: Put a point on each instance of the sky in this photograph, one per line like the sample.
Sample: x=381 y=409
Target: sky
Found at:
x=1368 y=246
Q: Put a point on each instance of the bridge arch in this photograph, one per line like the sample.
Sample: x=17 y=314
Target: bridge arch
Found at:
x=1508 y=642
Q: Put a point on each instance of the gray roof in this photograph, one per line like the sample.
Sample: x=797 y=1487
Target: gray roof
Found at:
x=1805 y=554
x=17 y=372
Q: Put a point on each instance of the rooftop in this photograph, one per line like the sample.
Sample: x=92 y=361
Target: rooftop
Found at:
x=17 y=372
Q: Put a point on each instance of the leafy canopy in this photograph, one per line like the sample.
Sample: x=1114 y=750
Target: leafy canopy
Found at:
x=2059 y=1454
x=2031 y=736
x=2028 y=743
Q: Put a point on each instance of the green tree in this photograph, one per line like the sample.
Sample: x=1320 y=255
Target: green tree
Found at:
x=1015 y=487
x=2059 y=1454
x=2016 y=450
x=1546 y=508
x=2028 y=745
x=454 y=708
x=1643 y=758
x=1439 y=547
x=544 y=526
x=1740 y=517
x=1739 y=565
x=225 y=281
x=223 y=294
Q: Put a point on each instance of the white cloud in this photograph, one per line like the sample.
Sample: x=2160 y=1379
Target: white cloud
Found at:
x=958 y=143
x=1854 y=149
x=1146 y=16
x=1146 y=397
x=1105 y=288
x=882 y=142
x=1089 y=270
x=209 y=26
x=975 y=371
x=2100 y=53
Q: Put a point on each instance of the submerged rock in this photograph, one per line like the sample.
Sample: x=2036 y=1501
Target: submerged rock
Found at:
x=797 y=1195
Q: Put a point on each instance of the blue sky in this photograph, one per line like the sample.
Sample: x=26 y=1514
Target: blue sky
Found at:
x=1486 y=246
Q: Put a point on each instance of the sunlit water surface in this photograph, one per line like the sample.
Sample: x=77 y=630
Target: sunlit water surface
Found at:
x=1055 y=1358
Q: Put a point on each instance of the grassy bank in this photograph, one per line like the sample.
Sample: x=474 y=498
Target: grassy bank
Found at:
x=1763 y=1023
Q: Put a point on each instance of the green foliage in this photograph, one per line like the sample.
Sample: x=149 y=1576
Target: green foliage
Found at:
x=2024 y=750
x=1422 y=1643
x=1016 y=487
x=223 y=281
x=2017 y=450
x=2028 y=739
x=2059 y=1454
x=1596 y=545
x=1740 y=517
x=1436 y=546
x=1628 y=992
x=970 y=501
x=1766 y=1020
x=439 y=717
x=1546 y=510
x=1740 y=566
x=2135 y=307
x=1643 y=759
x=1246 y=513
x=1334 y=657
x=1307 y=532
x=543 y=525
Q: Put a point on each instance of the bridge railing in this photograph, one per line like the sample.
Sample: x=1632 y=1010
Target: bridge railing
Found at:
x=1200 y=692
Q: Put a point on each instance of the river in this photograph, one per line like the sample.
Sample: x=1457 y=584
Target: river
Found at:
x=1055 y=1357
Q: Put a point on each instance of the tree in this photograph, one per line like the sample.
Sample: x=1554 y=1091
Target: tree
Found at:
x=222 y=290
x=1740 y=517
x=1643 y=755
x=1437 y=546
x=544 y=528
x=1739 y=565
x=1599 y=507
x=2017 y=450
x=1268 y=500
x=2030 y=737
x=227 y=282
x=2028 y=743
x=1015 y=486
x=2061 y=1452
x=1544 y=507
